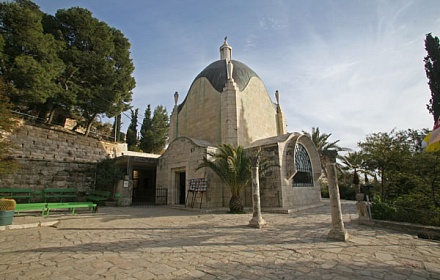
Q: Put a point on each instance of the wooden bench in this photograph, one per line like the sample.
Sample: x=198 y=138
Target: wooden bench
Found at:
x=71 y=206
x=17 y=193
x=98 y=196
x=65 y=194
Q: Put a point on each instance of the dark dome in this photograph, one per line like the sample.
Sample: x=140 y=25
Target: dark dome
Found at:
x=217 y=76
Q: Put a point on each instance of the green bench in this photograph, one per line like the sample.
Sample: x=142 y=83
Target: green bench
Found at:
x=31 y=207
x=46 y=207
x=65 y=197
x=17 y=193
x=98 y=196
x=65 y=194
x=71 y=206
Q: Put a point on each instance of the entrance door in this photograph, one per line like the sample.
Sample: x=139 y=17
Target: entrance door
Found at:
x=181 y=187
x=144 y=187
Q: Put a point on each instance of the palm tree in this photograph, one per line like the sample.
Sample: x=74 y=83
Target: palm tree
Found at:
x=232 y=165
x=323 y=145
x=352 y=163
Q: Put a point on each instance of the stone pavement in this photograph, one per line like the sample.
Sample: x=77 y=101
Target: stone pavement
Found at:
x=165 y=243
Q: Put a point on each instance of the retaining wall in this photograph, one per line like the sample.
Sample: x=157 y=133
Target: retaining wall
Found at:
x=56 y=158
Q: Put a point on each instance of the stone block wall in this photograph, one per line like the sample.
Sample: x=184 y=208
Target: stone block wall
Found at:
x=199 y=117
x=184 y=155
x=270 y=189
x=256 y=113
x=50 y=157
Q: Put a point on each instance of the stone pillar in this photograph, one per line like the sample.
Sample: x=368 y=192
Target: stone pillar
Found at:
x=281 y=122
x=361 y=206
x=337 y=231
x=257 y=220
x=173 y=130
x=229 y=115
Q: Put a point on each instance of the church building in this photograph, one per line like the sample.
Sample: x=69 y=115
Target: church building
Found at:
x=228 y=103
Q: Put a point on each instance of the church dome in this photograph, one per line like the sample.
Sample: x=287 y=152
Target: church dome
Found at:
x=227 y=102
x=216 y=73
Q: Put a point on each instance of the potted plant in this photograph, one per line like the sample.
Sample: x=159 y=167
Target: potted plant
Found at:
x=7 y=207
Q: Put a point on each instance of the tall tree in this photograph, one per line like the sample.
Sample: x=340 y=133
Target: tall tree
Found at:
x=146 y=132
x=98 y=64
x=154 y=130
x=7 y=124
x=389 y=155
x=116 y=133
x=29 y=57
x=160 y=125
x=132 y=140
x=432 y=68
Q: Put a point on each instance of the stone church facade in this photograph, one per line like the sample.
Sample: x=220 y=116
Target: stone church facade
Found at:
x=228 y=103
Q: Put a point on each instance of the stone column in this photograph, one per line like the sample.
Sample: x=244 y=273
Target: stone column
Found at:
x=173 y=130
x=337 y=231
x=257 y=220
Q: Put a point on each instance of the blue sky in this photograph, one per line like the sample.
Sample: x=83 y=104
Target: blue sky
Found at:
x=349 y=67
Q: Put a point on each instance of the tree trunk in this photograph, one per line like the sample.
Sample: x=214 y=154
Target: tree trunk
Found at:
x=89 y=124
x=236 y=204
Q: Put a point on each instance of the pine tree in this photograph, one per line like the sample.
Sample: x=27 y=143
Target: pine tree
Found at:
x=71 y=63
x=8 y=123
x=432 y=68
x=116 y=130
x=146 y=132
x=132 y=140
x=154 y=130
x=160 y=126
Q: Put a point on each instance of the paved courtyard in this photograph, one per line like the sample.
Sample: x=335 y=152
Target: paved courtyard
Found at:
x=165 y=243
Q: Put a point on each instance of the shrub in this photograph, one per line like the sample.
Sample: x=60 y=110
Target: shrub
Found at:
x=382 y=211
x=107 y=174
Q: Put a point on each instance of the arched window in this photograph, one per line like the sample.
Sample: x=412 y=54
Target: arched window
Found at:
x=303 y=176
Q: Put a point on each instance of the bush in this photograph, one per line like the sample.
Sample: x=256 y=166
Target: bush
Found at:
x=382 y=211
x=347 y=192
x=107 y=174
x=344 y=192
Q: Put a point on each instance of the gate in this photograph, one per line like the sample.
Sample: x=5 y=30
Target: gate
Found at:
x=161 y=196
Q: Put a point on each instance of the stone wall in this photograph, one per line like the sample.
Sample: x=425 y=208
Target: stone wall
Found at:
x=256 y=113
x=270 y=189
x=184 y=155
x=52 y=157
x=199 y=117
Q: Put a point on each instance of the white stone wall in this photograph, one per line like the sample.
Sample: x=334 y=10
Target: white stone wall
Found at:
x=256 y=113
x=200 y=116
x=229 y=117
x=184 y=155
x=276 y=185
x=294 y=197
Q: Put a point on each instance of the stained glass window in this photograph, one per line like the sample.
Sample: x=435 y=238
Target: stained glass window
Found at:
x=304 y=175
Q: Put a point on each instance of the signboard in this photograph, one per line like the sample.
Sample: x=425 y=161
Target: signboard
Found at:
x=197 y=185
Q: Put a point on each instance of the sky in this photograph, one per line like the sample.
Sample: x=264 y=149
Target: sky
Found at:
x=349 y=67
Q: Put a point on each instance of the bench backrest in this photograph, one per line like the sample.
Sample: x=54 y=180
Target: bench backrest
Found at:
x=17 y=193
x=16 y=190
x=60 y=194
